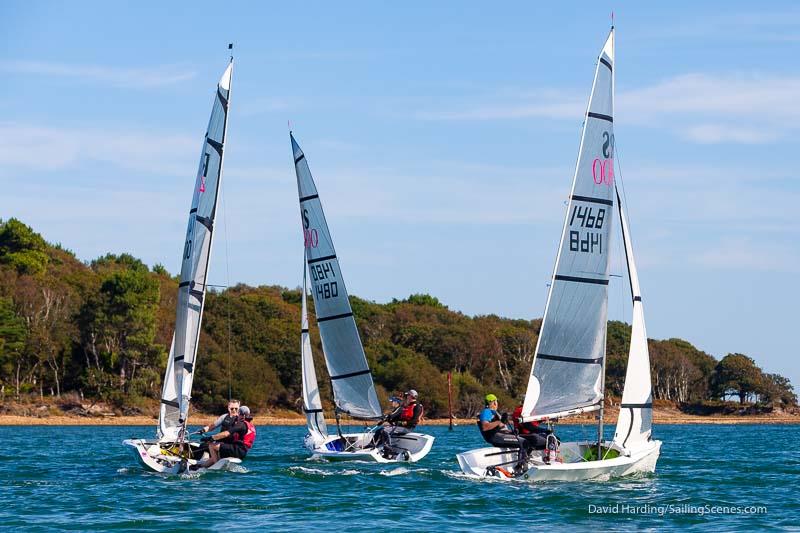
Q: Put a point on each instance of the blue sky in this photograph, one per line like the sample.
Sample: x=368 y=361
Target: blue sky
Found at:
x=442 y=138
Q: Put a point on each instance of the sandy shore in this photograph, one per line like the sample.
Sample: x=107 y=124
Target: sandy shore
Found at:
x=659 y=417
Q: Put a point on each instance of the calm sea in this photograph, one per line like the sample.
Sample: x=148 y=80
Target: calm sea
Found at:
x=81 y=478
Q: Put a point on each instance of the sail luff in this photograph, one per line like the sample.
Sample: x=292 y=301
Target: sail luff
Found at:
x=194 y=268
x=565 y=374
x=634 y=423
x=312 y=402
x=351 y=379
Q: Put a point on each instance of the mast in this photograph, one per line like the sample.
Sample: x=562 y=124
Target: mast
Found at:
x=605 y=335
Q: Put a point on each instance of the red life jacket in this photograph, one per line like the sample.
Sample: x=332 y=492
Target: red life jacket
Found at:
x=250 y=436
x=407 y=413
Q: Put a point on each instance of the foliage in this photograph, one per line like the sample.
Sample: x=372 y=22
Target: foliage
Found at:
x=103 y=330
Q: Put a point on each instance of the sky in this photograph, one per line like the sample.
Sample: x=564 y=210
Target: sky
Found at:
x=442 y=138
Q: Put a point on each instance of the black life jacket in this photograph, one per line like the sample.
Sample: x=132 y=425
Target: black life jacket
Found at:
x=489 y=435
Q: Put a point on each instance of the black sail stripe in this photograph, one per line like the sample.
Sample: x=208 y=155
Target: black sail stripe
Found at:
x=648 y=405
x=565 y=359
x=178 y=359
x=333 y=317
x=197 y=294
x=193 y=210
x=184 y=284
x=170 y=403
x=299 y=158
x=304 y=330
x=592 y=199
x=352 y=374
x=637 y=298
x=576 y=279
x=306 y=198
x=218 y=146
x=324 y=258
x=222 y=99
x=205 y=221
x=311 y=410
x=188 y=367
x=601 y=116
x=606 y=63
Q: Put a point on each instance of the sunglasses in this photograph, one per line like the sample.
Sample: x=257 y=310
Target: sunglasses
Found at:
x=233 y=408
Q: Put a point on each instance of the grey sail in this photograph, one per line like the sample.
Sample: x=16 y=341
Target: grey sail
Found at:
x=351 y=379
x=566 y=376
x=177 y=390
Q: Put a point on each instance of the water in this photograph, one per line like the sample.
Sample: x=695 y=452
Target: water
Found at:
x=81 y=478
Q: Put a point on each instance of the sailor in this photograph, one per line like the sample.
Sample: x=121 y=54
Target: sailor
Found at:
x=226 y=420
x=392 y=414
x=233 y=442
x=403 y=420
x=495 y=430
x=410 y=413
x=534 y=434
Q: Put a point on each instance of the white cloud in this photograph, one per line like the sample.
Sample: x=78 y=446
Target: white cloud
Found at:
x=47 y=148
x=136 y=78
x=746 y=254
x=702 y=108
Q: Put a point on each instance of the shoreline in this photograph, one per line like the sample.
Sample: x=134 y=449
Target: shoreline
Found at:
x=658 y=419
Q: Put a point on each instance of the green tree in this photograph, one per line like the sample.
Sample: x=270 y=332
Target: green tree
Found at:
x=22 y=248
x=737 y=373
x=13 y=336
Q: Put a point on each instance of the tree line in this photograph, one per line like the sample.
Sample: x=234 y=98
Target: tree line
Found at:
x=102 y=329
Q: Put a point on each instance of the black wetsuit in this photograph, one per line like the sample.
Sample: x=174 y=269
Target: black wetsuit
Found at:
x=233 y=444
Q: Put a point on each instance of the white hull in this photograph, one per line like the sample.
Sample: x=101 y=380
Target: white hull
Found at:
x=358 y=447
x=492 y=462
x=151 y=456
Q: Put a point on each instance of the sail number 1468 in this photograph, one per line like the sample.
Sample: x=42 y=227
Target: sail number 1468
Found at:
x=584 y=219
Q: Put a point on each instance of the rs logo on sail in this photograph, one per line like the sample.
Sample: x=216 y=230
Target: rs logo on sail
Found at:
x=310 y=235
x=603 y=169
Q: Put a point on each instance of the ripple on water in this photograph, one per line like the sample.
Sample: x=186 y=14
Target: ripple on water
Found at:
x=102 y=488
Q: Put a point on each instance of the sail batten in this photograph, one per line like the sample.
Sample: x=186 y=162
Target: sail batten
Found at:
x=351 y=380
x=566 y=375
x=195 y=259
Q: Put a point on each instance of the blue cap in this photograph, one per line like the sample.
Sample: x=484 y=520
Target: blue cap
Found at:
x=395 y=399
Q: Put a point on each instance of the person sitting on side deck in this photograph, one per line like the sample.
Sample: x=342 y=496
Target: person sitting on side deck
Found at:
x=532 y=432
x=494 y=429
x=233 y=442
x=225 y=420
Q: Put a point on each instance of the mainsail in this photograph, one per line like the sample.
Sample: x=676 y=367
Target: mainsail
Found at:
x=636 y=410
x=568 y=366
x=351 y=378
x=312 y=404
x=177 y=390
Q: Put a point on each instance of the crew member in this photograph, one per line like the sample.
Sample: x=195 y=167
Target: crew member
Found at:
x=234 y=442
x=534 y=434
x=495 y=430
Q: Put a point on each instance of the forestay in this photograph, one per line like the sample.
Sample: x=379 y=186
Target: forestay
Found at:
x=636 y=411
x=312 y=404
x=566 y=376
x=353 y=389
x=177 y=390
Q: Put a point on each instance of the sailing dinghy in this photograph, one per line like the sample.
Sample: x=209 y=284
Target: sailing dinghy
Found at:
x=568 y=373
x=351 y=379
x=172 y=452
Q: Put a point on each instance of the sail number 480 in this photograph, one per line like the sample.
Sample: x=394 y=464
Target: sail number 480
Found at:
x=321 y=273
